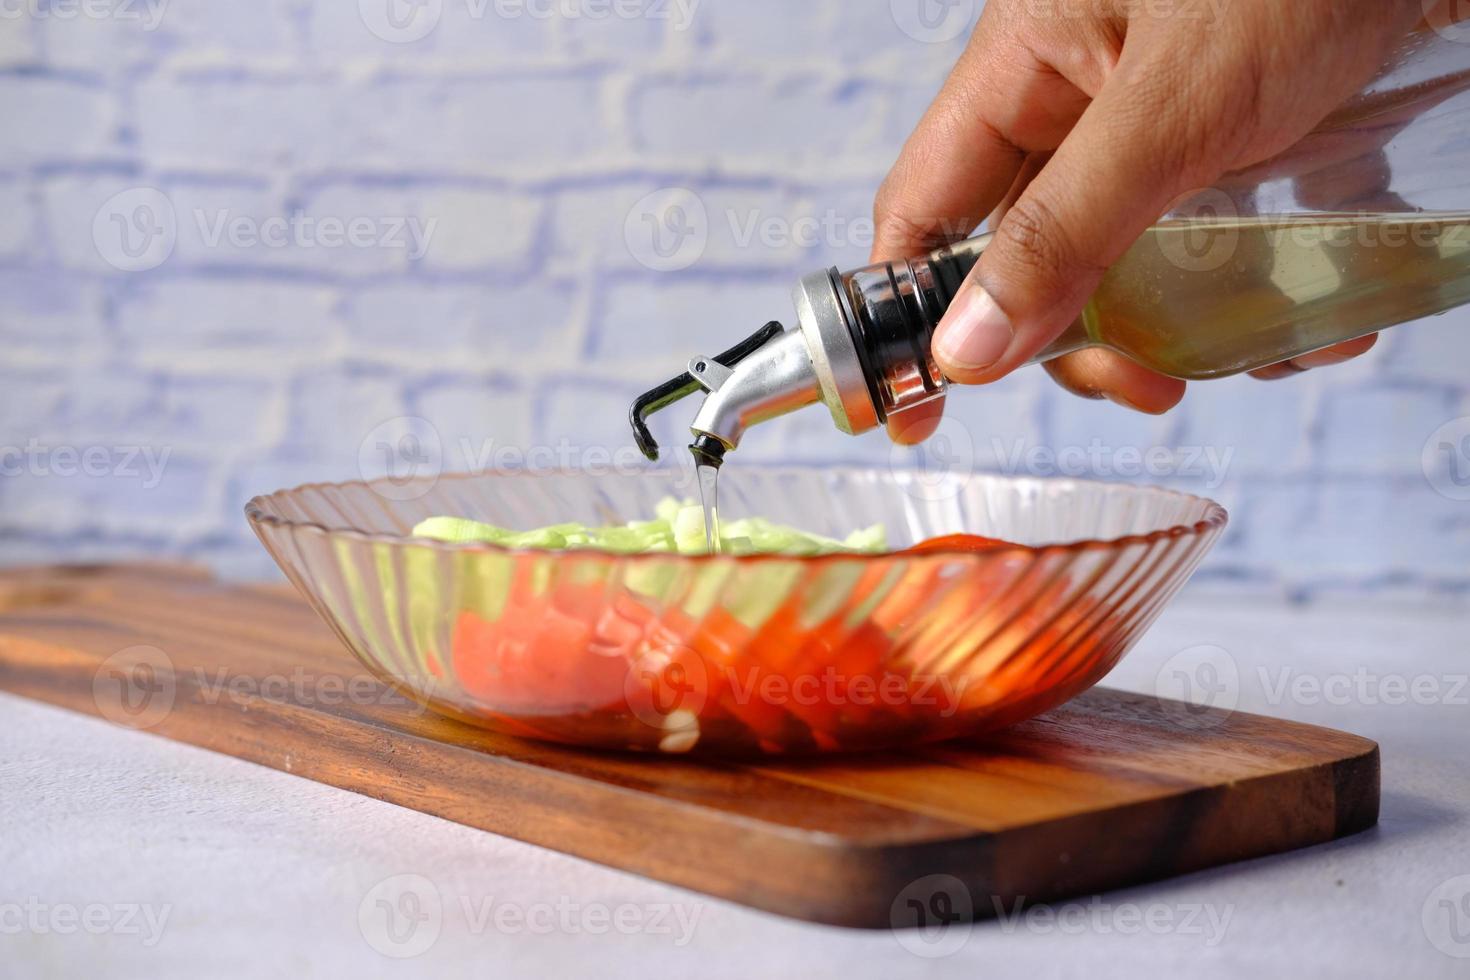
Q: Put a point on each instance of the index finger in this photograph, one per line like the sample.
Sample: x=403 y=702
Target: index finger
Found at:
x=999 y=105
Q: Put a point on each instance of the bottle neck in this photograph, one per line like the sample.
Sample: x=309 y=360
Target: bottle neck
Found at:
x=953 y=263
x=1073 y=339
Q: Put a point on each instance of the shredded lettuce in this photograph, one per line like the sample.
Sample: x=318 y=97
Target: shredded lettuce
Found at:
x=678 y=528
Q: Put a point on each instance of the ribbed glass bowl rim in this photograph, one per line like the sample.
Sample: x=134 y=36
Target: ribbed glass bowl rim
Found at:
x=1215 y=518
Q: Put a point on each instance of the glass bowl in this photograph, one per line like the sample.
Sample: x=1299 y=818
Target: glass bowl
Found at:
x=742 y=655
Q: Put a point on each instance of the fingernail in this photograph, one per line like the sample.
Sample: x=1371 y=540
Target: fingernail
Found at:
x=1123 y=401
x=1319 y=359
x=974 y=332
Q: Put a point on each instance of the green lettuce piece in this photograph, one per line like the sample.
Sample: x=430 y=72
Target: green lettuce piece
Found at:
x=750 y=594
x=460 y=529
x=757 y=591
x=867 y=539
x=678 y=528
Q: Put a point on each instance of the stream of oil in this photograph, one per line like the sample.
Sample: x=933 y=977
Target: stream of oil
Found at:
x=709 y=486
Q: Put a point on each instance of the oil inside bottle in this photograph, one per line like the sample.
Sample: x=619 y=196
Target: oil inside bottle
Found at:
x=1205 y=298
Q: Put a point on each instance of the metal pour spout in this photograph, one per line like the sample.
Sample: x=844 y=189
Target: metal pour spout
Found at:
x=861 y=348
x=768 y=374
x=777 y=379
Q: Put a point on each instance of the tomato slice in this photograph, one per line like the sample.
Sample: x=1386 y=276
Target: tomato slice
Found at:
x=561 y=647
x=957 y=542
x=557 y=653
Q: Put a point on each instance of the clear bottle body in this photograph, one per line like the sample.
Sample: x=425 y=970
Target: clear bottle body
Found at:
x=1362 y=225
x=1201 y=299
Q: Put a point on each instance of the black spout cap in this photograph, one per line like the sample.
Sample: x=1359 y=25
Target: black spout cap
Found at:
x=708 y=451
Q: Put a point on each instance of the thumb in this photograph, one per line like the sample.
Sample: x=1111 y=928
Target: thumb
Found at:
x=1129 y=156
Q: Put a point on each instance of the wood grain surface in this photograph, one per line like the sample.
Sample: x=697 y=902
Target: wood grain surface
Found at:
x=1109 y=790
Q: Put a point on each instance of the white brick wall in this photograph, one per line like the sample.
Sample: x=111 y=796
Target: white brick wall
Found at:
x=261 y=349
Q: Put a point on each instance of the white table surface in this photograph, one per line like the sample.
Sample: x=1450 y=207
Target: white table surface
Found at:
x=253 y=871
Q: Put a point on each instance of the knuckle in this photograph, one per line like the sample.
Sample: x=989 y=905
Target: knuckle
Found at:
x=1073 y=376
x=898 y=223
x=1196 y=125
x=886 y=209
x=1034 y=242
x=896 y=229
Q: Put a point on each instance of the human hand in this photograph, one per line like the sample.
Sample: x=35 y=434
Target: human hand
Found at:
x=1076 y=123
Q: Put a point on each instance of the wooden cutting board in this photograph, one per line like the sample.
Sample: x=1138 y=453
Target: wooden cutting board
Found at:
x=1110 y=790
